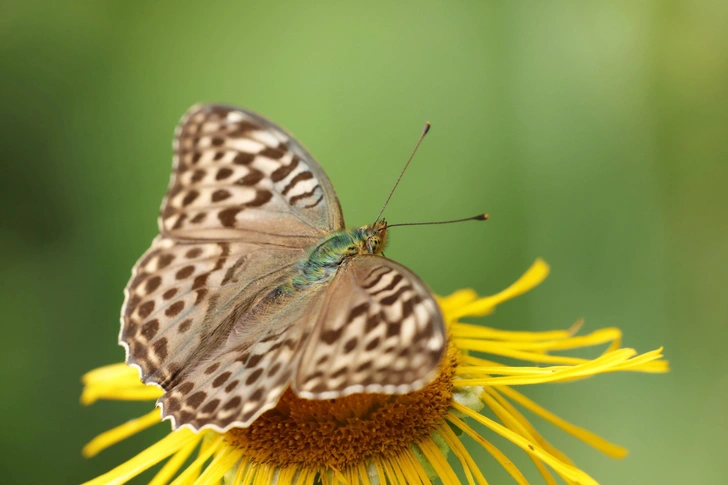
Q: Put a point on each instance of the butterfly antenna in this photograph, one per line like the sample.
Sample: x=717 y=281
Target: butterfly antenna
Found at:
x=479 y=217
x=422 y=136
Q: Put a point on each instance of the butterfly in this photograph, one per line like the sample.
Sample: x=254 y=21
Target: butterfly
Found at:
x=254 y=284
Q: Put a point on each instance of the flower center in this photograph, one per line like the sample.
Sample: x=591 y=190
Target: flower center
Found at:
x=348 y=430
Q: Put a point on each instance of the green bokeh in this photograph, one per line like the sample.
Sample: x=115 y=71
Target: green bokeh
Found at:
x=594 y=135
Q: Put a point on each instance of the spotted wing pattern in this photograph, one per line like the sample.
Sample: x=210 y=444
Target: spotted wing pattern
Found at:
x=251 y=370
x=244 y=202
x=238 y=176
x=380 y=330
x=180 y=293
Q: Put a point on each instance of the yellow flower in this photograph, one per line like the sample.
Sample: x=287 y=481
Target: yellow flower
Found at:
x=374 y=439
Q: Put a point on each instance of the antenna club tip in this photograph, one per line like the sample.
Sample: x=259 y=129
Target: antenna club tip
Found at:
x=427 y=127
x=483 y=217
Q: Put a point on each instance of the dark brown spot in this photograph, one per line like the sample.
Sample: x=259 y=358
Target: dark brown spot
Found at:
x=218 y=155
x=220 y=380
x=184 y=417
x=196 y=157
x=373 y=344
x=253 y=377
x=152 y=284
x=257 y=395
x=169 y=293
x=373 y=322
x=223 y=173
x=164 y=260
x=282 y=172
x=176 y=189
x=132 y=303
x=219 y=263
x=138 y=278
x=300 y=177
x=185 y=388
x=274 y=153
x=220 y=194
x=199 y=217
x=174 y=309
x=358 y=310
x=253 y=361
x=350 y=345
x=179 y=221
x=172 y=404
x=196 y=399
x=200 y=281
x=393 y=328
x=531 y=447
x=274 y=369
x=184 y=326
x=250 y=178
x=227 y=216
x=200 y=295
x=185 y=272
x=339 y=372
x=130 y=330
x=232 y=403
x=150 y=329
x=408 y=306
x=198 y=175
x=261 y=197
x=168 y=210
x=243 y=127
x=190 y=197
x=316 y=375
x=160 y=348
x=212 y=368
x=146 y=308
x=243 y=158
x=210 y=406
x=318 y=388
x=331 y=336
x=217 y=141
x=366 y=365
x=193 y=253
x=231 y=386
x=232 y=269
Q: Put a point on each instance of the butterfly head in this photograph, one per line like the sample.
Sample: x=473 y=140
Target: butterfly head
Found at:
x=375 y=237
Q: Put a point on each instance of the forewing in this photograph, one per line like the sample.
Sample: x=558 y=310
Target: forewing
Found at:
x=238 y=176
x=181 y=295
x=250 y=371
x=380 y=331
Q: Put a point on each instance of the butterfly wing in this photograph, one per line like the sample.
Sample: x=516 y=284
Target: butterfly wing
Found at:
x=244 y=201
x=239 y=176
x=180 y=297
x=380 y=330
x=250 y=370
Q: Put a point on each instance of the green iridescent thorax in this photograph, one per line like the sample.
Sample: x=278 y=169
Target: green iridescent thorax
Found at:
x=324 y=259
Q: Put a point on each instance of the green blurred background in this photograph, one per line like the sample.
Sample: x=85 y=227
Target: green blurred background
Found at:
x=594 y=135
